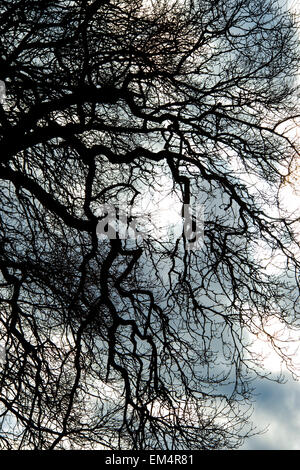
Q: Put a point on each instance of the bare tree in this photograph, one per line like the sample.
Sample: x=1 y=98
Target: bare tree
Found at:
x=142 y=343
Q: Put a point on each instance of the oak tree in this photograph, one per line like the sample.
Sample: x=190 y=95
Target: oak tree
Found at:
x=143 y=343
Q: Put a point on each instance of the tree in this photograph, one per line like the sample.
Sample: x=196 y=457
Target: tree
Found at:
x=142 y=343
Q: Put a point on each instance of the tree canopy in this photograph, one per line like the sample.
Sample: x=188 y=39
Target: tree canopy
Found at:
x=142 y=343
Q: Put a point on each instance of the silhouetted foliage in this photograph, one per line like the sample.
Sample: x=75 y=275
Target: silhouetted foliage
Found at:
x=142 y=344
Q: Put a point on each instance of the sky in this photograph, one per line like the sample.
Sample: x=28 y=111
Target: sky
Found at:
x=278 y=409
x=277 y=406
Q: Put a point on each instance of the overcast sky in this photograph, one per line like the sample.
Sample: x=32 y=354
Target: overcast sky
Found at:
x=277 y=407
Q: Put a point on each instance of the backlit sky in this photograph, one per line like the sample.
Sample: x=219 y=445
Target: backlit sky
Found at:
x=278 y=405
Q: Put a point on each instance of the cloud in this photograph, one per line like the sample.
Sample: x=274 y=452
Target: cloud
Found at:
x=278 y=408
